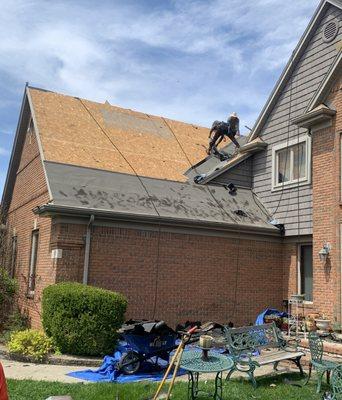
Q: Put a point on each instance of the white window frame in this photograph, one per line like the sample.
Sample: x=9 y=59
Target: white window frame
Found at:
x=33 y=261
x=299 y=270
x=292 y=182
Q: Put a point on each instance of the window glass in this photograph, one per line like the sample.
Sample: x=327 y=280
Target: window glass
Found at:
x=33 y=261
x=299 y=161
x=291 y=164
x=283 y=166
x=306 y=276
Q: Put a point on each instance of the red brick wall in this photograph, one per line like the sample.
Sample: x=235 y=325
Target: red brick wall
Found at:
x=71 y=240
x=30 y=190
x=199 y=277
x=290 y=269
x=326 y=211
x=196 y=274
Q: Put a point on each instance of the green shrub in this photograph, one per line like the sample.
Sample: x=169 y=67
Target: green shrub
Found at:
x=8 y=286
x=16 y=321
x=8 y=289
x=30 y=343
x=81 y=319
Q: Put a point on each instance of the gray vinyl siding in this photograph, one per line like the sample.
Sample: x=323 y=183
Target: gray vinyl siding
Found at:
x=241 y=175
x=292 y=204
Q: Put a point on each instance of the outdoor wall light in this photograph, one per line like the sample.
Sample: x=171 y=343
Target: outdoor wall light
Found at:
x=324 y=252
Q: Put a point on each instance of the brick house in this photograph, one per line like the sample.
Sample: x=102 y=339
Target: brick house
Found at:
x=103 y=195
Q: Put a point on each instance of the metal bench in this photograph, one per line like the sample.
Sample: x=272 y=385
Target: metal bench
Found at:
x=255 y=346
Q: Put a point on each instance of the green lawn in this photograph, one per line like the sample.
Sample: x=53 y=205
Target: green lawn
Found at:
x=234 y=390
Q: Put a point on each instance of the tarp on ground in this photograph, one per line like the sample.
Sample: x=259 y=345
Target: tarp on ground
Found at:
x=107 y=372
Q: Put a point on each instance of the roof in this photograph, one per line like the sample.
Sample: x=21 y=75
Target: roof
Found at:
x=325 y=86
x=119 y=195
x=287 y=72
x=317 y=115
x=99 y=135
x=213 y=167
x=212 y=162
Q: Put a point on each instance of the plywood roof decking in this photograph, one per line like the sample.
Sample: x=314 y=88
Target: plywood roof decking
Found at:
x=70 y=135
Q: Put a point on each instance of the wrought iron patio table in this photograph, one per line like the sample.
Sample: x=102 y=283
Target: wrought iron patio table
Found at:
x=193 y=363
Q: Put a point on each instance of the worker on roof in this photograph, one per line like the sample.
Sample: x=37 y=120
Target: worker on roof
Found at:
x=221 y=129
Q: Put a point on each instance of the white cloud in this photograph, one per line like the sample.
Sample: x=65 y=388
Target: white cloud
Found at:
x=3 y=151
x=193 y=60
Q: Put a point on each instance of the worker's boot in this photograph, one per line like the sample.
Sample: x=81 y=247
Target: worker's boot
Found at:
x=236 y=151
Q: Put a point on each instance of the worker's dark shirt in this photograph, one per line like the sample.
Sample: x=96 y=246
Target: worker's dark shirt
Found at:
x=234 y=123
x=220 y=128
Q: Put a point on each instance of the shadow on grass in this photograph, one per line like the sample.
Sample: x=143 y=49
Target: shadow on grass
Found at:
x=269 y=388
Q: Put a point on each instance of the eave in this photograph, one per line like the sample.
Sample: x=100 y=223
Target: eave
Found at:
x=316 y=117
x=51 y=210
x=245 y=152
x=253 y=147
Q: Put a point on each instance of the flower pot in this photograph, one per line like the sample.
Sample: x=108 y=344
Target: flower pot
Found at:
x=310 y=325
x=322 y=324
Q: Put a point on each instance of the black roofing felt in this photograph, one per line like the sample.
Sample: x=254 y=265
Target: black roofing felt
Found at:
x=210 y=164
x=87 y=188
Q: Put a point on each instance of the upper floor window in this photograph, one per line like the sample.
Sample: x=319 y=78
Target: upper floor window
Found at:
x=291 y=163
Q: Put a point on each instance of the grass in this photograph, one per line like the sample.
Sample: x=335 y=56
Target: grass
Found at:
x=234 y=390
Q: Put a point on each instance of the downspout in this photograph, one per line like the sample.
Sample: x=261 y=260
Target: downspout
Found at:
x=87 y=250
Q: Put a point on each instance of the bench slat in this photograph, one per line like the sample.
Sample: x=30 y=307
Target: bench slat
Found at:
x=273 y=357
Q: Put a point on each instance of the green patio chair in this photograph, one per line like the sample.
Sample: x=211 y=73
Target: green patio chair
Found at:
x=317 y=362
x=336 y=383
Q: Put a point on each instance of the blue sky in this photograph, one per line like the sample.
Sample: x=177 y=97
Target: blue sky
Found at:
x=190 y=60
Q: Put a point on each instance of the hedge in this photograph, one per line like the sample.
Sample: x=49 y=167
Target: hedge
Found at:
x=81 y=319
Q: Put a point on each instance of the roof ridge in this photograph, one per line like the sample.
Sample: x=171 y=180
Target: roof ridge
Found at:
x=119 y=108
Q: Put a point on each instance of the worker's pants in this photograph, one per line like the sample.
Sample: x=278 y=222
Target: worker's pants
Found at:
x=216 y=137
x=231 y=136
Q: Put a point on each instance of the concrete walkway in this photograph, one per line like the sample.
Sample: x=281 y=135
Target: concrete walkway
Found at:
x=57 y=373
x=40 y=372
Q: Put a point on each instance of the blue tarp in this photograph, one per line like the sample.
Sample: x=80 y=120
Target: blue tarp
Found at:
x=260 y=318
x=108 y=373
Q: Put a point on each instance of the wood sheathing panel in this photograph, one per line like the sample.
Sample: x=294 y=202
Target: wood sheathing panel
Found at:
x=70 y=135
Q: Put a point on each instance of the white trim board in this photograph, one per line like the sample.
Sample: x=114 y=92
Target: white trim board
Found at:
x=36 y=130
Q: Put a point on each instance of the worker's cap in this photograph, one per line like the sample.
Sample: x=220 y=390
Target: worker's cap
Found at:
x=233 y=114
